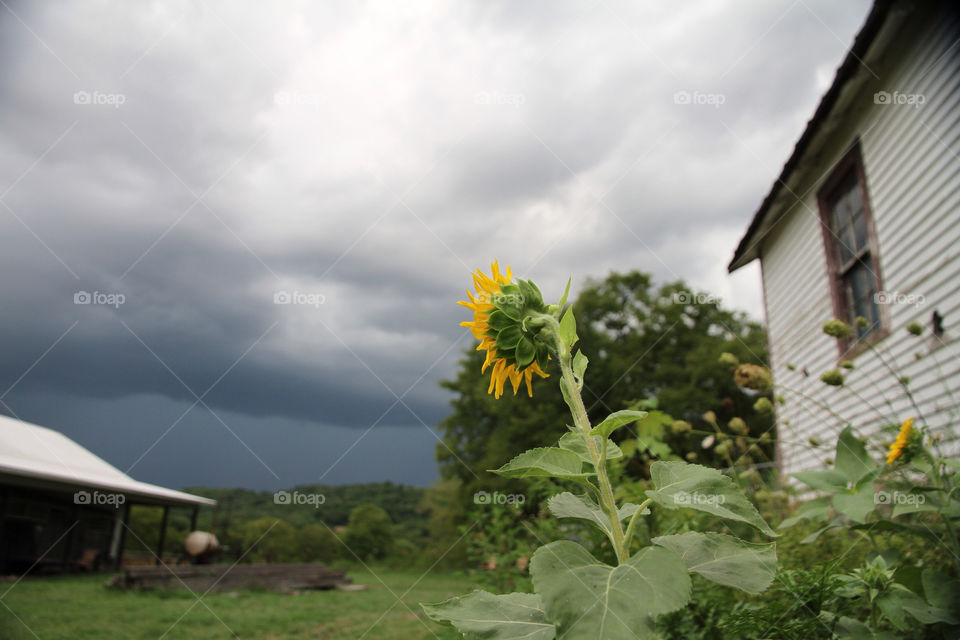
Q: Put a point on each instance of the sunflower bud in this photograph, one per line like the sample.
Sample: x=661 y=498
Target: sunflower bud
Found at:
x=763 y=405
x=737 y=425
x=833 y=377
x=837 y=329
x=680 y=427
x=752 y=376
x=728 y=359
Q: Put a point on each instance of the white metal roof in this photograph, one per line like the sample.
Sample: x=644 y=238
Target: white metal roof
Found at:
x=36 y=456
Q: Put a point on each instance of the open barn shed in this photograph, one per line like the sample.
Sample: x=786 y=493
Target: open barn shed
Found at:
x=62 y=508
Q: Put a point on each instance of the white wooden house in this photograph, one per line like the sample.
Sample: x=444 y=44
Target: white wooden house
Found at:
x=864 y=220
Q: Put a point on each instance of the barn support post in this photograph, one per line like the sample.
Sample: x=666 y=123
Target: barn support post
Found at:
x=120 y=536
x=193 y=519
x=163 y=534
x=71 y=536
x=3 y=526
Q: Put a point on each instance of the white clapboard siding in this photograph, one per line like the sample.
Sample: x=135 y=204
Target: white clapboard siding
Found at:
x=911 y=158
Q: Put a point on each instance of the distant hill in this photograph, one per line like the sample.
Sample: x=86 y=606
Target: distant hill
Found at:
x=401 y=502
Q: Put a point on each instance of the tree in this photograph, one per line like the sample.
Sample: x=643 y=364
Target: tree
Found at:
x=268 y=540
x=315 y=542
x=369 y=532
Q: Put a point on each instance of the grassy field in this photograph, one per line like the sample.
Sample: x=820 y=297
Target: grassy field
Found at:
x=80 y=607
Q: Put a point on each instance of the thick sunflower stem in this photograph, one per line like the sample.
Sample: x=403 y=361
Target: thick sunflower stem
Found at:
x=571 y=392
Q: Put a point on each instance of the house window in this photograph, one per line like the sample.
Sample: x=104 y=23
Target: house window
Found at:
x=851 y=245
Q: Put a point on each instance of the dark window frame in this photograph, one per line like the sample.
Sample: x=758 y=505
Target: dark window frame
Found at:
x=852 y=162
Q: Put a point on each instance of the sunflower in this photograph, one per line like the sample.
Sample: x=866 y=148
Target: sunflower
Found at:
x=903 y=439
x=499 y=308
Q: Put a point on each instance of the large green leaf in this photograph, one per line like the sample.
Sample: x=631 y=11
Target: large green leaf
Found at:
x=544 y=462
x=920 y=609
x=905 y=502
x=829 y=480
x=852 y=459
x=515 y=616
x=568 y=505
x=856 y=504
x=616 y=420
x=942 y=591
x=678 y=484
x=816 y=509
x=850 y=629
x=588 y=599
x=575 y=442
x=724 y=559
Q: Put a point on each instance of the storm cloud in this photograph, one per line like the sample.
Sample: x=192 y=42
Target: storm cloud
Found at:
x=239 y=228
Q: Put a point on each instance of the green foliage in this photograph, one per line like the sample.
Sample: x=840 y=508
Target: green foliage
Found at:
x=578 y=595
x=369 y=532
x=316 y=543
x=268 y=540
x=144 y=532
x=623 y=322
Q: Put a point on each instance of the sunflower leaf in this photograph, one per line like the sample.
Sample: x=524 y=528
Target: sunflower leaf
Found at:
x=616 y=420
x=573 y=441
x=568 y=505
x=566 y=291
x=852 y=459
x=693 y=486
x=544 y=462
x=579 y=364
x=588 y=599
x=568 y=328
x=724 y=559
x=483 y=615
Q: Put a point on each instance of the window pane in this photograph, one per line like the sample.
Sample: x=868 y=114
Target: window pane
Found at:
x=860 y=230
x=844 y=205
x=845 y=243
x=859 y=282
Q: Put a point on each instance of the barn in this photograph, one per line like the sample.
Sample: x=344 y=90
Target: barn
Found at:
x=864 y=221
x=62 y=508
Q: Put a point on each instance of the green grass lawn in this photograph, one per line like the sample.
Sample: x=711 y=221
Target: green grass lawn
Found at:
x=80 y=607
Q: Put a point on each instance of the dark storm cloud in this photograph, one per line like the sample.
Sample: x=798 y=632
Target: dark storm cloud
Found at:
x=200 y=160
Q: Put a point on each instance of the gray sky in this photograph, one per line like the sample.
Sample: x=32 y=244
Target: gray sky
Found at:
x=196 y=160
